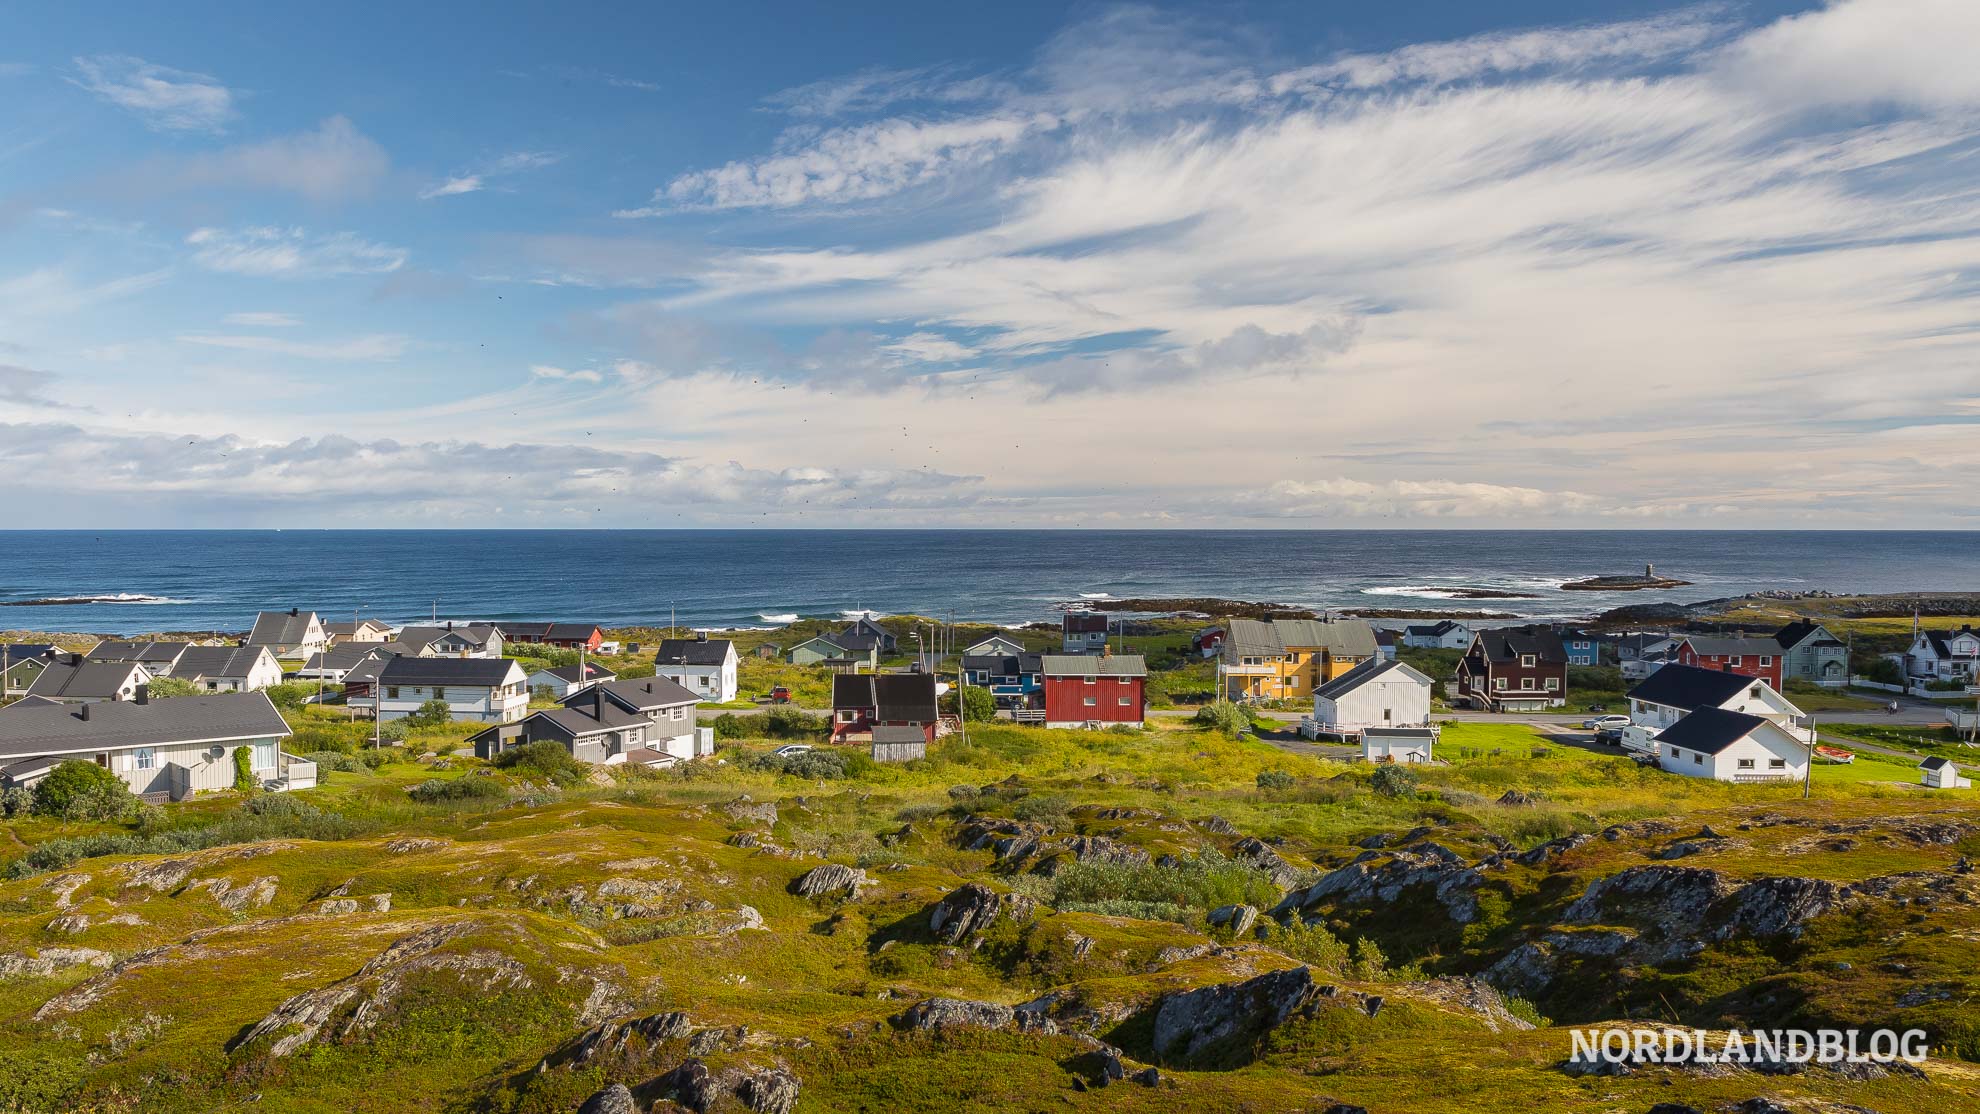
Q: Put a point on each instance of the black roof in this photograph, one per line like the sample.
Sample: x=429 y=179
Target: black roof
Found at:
x=63 y=728
x=576 y=673
x=446 y=671
x=1688 y=687
x=692 y=651
x=1508 y=643
x=17 y=652
x=903 y=696
x=1710 y=730
x=1935 y=763
x=218 y=661
x=640 y=694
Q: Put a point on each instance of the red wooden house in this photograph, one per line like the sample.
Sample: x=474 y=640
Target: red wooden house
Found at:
x=1746 y=655
x=568 y=636
x=1094 y=689
x=864 y=701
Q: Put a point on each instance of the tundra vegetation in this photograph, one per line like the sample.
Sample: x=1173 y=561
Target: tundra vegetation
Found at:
x=1177 y=918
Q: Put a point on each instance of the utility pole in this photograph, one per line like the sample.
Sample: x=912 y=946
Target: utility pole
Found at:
x=1808 y=775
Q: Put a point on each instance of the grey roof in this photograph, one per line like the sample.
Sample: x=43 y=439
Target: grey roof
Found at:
x=112 y=725
x=447 y=671
x=347 y=656
x=884 y=733
x=1367 y=671
x=643 y=694
x=1093 y=665
x=280 y=628
x=474 y=634
x=693 y=651
x=18 y=652
x=1744 y=645
x=156 y=654
x=572 y=674
x=902 y=696
x=233 y=662
x=92 y=680
x=586 y=716
x=1710 y=730
x=1406 y=734
x=1352 y=638
x=350 y=629
x=32 y=702
x=1688 y=687
x=29 y=767
x=1935 y=763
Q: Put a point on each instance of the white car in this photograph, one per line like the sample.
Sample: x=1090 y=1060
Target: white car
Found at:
x=789 y=749
x=1606 y=723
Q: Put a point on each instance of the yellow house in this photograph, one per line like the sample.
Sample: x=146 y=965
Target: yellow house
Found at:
x=1286 y=659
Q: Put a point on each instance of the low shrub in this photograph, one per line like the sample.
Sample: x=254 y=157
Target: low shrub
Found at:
x=1224 y=717
x=437 y=790
x=791 y=723
x=1275 y=779
x=1394 y=781
x=334 y=760
x=543 y=758
x=1203 y=881
x=433 y=713
x=77 y=790
x=272 y=816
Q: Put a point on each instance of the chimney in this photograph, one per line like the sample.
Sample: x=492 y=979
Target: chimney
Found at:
x=143 y=694
x=294 y=613
x=76 y=660
x=85 y=713
x=701 y=636
x=450 y=624
x=649 y=687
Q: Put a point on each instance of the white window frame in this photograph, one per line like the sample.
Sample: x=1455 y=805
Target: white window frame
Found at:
x=144 y=758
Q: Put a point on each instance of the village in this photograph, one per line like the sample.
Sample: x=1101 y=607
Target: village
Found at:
x=173 y=718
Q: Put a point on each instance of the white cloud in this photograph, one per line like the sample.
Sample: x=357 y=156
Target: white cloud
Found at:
x=291 y=253
x=166 y=99
x=262 y=320
x=583 y=375
x=333 y=162
x=376 y=346
x=1905 y=52
x=452 y=187
x=929 y=348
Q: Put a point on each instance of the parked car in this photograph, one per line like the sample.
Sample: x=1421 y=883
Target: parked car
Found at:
x=1606 y=723
x=780 y=695
x=789 y=749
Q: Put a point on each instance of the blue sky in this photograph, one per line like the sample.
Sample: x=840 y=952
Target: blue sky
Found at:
x=1041 y=265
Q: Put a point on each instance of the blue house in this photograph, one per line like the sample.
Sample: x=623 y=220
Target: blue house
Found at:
x=1013 y=679
x=1583 y=648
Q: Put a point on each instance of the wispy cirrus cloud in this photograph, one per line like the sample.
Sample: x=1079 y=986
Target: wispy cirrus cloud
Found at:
x=164 y=98
x=488 y=173
x=333 y=162
x=271 y=252
x=375 y=346
x=263 y=320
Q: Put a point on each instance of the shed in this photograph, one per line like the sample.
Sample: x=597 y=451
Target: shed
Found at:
x=899 y=744
x=1407 y=745
x=1941 y=773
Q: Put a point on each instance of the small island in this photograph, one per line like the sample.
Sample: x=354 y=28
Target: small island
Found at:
x=1625 y=582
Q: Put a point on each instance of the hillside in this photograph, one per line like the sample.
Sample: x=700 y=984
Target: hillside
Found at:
x=1016 y=923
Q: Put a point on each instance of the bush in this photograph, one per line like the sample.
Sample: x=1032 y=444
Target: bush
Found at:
x=16 y=800
x=334 y=760
x=544 y=758
x=976 y=704
x=1224 y=717
x=1394 y=781
x=1592 y=678
x=244 y=770
x=164 y=688
x=729 y=725
x=1203 y=881
x=393 y=730
x=1274 y=779
x=274 y=816
x=1882 y=670
x=1310 y=944
x=77 y=790
x=1044 y=809
x=436 y=790
x=433 y=713
x=290 y=695
x=790 y=723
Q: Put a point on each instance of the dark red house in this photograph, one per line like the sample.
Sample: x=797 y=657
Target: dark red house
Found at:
x=567 y=636
x=1514 y=669
x=864 y=701
x=1746 y=655
x=1084 y=690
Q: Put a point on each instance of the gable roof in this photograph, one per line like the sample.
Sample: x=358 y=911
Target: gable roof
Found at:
x=1710 y=730
x=62 y=728
x=1938 y=638
x=474 y=634
x=898 y=733
x=1340 y=637
x=1093 y=665
x=642 y=694
x=448 y=671
x=1371 y=670
x=1084 y=622
x=348 y=656
x=1688 y=687
x=692 y=651
x=828 y=639
x=92 y=680
x=1732 y=645
x=218 y=661
x=1401 y=734
x=1505 y=644
x=1935 y=763
x=572 y=674
x=350 y=629
x=903 y=696
x=150 y=653
x=280 y=628
x=1799 y=631
x=15 y=653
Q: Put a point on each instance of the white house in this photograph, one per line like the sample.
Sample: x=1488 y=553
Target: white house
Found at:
x=1667 y=696
x=474 y=689
x=162 y=749
x=645 y=720
x=228 y=668
x=289 y=634
x=1944 y=655
x=1731 y=746
x=464 y=640
x=71 y=679
x=1401 y=745
x=157 y=657
x=567 y=679
x=336 y=663
x=1375 y=693
x=1941 y=773
x=704 y=666
x=995 y=646
x=357 y=630
x=1441 y=635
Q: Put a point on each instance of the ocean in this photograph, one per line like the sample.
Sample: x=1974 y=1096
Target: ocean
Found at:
x=217 y=580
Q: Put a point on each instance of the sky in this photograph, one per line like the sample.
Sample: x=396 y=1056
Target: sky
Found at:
x=1244 y=265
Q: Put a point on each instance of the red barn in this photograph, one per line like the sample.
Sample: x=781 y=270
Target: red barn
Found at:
x=1094 y=689
x=1745 y=655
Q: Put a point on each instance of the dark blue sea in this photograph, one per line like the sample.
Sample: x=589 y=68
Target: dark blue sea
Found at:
x=217 y=580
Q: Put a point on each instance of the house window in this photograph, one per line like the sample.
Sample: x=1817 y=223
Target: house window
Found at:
x=1777 y=763
x=1090 y=702
x=1553 y=683
x=1498 y=682
x=1698 y=759
x=1674 y=752
x=264 y=756
x=1764 y=660
x=1734 y=660
x=1526 y=661
x=1746 y=763
x=1092 y=680
x=1125 y=701
x=848 y=715
x=144 y=758
x=391 y=692
x=440 y=693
